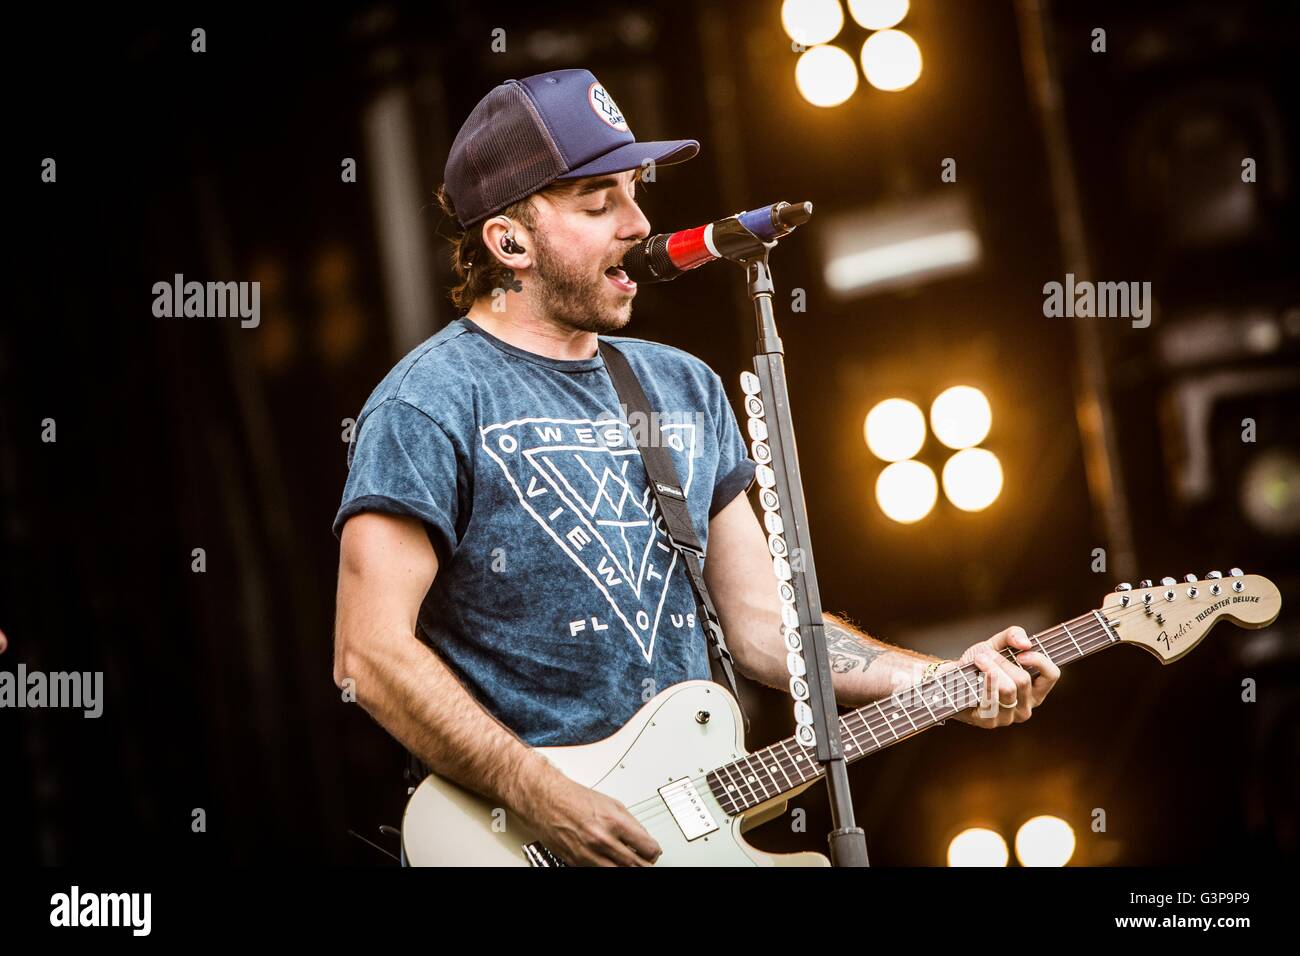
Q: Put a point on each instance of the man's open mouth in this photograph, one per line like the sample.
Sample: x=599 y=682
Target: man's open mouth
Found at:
x=621 y=280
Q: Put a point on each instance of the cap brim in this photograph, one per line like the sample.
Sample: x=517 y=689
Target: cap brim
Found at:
x=631 y=155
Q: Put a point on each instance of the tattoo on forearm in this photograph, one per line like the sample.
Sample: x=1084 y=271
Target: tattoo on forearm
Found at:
x=847 y=650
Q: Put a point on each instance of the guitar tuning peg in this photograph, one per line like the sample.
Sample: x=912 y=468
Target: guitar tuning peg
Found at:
x=1235 y=572
x=1125 y=586
x=1144 y=583
x=1214 y=575
x=1189 y=578
x=1166 y=581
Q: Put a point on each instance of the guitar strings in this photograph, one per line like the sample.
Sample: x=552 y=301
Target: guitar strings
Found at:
x=1095 y=634
x=786 y=762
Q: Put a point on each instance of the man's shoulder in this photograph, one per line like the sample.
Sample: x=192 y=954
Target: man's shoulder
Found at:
x=437 y=372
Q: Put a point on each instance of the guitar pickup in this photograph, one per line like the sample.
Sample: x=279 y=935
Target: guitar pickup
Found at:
x=688 y=810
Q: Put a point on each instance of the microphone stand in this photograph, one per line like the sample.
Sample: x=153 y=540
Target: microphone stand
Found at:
x=817 y=717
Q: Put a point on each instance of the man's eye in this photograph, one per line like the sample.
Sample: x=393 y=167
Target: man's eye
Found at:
x=597 y=212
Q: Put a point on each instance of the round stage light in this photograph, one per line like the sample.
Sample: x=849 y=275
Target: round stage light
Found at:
x=1270 y=492
x=1044 y=841
x=891 y=60
x=877 y=14
x=961 y=416
x=825 y=76
x=978 y=846
x=906 y=491
x=972 y=479
x=895 y=429
x=810 y=22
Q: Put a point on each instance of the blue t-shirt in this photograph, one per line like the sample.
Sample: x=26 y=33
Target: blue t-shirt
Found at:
x=559 y=600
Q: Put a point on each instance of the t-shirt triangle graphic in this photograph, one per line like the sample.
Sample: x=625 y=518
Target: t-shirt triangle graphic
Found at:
x=584 y=483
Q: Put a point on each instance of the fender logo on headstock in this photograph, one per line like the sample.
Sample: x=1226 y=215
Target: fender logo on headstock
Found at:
x=1183 y=630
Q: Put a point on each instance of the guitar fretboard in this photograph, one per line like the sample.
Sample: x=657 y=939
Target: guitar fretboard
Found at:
x=787 y=764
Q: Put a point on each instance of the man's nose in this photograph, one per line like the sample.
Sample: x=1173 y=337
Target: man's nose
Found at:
x=636 y=226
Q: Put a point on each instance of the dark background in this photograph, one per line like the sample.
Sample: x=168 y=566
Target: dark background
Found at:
x=175 y=434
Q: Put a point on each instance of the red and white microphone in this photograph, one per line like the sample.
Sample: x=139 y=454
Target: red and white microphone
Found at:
x=668 y=255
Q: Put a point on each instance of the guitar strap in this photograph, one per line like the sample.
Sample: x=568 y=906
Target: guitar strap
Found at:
x=664 y=484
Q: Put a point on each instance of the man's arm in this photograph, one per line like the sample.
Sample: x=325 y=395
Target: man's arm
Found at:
x=865 y=668
x=386 y=566
x=738 y=571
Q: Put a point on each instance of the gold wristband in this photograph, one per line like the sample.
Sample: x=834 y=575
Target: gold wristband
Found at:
x=930 y=668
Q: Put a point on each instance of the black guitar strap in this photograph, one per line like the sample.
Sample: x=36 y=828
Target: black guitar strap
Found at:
x=667 y=489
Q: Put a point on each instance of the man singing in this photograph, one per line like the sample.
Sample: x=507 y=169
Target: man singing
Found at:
x=502 y=583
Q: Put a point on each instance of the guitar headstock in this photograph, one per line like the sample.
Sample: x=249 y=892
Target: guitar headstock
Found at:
x=1170 y=618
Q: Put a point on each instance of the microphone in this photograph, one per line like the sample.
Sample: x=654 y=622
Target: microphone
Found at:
x=668 y=255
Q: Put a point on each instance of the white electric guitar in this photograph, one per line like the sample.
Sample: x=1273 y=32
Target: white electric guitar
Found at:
x=681 y=768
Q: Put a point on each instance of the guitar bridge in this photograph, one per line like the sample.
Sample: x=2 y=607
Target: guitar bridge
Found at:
x=539 y=855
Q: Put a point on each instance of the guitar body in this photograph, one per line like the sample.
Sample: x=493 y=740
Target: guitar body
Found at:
x=663 y=744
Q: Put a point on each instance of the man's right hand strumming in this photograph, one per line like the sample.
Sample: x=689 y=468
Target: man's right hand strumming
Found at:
x=587 y=828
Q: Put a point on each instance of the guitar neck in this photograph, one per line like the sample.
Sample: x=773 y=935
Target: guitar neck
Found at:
x=787 y=764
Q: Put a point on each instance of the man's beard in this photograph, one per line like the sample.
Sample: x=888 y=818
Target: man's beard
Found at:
x=576 y=296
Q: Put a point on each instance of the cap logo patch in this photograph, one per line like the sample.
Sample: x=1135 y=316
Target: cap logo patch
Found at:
x=605 y=107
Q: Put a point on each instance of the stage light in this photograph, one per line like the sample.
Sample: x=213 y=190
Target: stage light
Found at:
x=978 y=846
x=1270 y=492
x=906 y=491
x=891 y=60
x=972 y=479
x=910 y=259
x=825 y=76
x=898 y=246
x=961 y=417
x=1044 y=841
x=877 y=14
x=894 y=429
x=810 y=22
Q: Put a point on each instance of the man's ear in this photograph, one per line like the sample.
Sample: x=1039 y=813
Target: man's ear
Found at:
x=495 y=231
